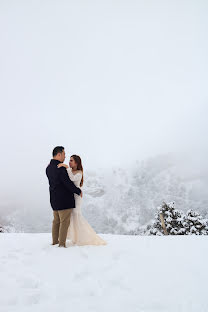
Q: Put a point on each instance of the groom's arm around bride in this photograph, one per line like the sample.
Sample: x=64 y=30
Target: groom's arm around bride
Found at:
x=64 y=177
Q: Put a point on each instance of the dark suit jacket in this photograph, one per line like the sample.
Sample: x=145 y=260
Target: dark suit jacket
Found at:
x=61 y=188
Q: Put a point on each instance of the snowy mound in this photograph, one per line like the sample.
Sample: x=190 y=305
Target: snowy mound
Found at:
x=131 y=273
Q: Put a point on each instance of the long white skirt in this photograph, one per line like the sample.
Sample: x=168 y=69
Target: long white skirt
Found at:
x=80 y=232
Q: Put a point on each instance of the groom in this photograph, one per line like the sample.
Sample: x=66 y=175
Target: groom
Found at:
x=62 y=200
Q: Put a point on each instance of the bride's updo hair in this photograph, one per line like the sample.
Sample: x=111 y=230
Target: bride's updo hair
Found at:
x=78 y=162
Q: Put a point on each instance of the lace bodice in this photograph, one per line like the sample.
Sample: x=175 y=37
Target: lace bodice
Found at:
x=76 y=178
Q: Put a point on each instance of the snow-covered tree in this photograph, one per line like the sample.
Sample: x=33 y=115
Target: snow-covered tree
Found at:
x=176 y=222
x=195 y=223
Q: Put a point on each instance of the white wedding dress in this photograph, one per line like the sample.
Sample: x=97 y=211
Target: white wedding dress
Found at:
x=80 y=232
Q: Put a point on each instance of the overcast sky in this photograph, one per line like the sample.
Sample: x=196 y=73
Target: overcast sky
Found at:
x=112 y=81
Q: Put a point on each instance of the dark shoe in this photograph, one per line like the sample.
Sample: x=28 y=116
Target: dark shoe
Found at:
x=54 y=243
x=62 y=246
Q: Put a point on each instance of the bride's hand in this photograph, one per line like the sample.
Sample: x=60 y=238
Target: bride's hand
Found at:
x=62 y=165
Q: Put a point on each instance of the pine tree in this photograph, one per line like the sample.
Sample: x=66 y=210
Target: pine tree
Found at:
x=195 y=224
x=177 y=223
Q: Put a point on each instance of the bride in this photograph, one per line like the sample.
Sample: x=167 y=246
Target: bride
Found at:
x=79 y=232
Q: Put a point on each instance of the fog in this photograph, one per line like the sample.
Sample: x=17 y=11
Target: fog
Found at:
x=113 y=81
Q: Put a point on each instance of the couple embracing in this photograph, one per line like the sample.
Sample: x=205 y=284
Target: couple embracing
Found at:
x=65 y=187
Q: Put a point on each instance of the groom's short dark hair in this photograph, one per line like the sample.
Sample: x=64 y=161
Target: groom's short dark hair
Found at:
x=57 y=149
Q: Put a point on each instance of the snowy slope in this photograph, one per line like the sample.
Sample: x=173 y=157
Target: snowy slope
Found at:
x=142 y=273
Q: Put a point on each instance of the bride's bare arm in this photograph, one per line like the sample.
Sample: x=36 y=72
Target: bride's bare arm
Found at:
x=62 y=165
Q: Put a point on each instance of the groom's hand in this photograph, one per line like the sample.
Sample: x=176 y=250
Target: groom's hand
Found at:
x=81 y=194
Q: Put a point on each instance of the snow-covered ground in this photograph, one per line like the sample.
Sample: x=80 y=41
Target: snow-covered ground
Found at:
x=143 y=273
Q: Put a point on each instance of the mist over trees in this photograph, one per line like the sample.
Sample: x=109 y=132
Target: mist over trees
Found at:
x=120 y=200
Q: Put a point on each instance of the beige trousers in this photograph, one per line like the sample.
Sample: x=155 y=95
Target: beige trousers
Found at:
x=60 y=226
